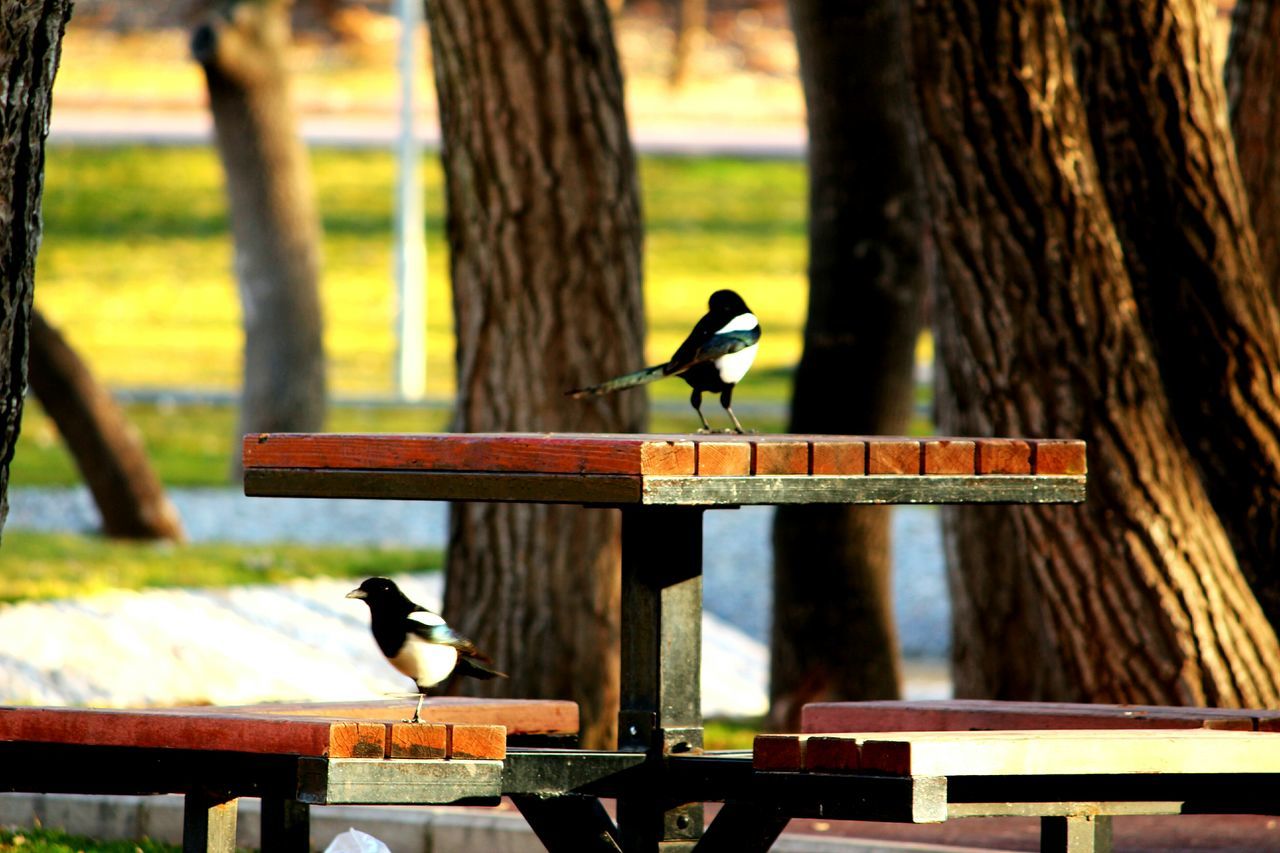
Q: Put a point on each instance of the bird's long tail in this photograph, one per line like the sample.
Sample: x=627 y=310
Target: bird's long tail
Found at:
x=631 y=380
x=477 y=668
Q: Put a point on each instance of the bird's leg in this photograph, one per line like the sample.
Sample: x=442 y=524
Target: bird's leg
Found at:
x=417 y=711
x=696 y=400
x=726 y=400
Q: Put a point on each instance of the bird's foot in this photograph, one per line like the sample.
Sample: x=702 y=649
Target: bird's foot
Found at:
x=706 y=431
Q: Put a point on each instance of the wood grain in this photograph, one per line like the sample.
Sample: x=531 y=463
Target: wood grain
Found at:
x=839 y=457
x=1059 y=456
x=1003 y=456
x=893 y=456
x=950 y=456
x=723 y=458
x=781 y=457
x=419 y=740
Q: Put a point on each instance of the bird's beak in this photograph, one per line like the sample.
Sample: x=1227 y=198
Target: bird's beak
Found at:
x=358 y=593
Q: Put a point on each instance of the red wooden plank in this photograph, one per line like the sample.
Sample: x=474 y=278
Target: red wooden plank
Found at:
x=781 y=457
x=831 y=754
x=518 y=716
x=419 y=740
x=480 y=452
x=778 y=752
x=893 y=456
x=1059 y=456
x=477 y=742
x=724 y=458
x=990 y=715
x=949 y=456
x=835 y=457
x=1003 y=456
x=183 y=731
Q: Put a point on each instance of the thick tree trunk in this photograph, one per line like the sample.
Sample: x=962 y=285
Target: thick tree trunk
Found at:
x=691 y=25
x=545 y=245
x=273 y=218
x=107 y=449
x=1135 y=595
x=1157 y=118
x=833 y=628
x=1253 y=93
x=30 y=47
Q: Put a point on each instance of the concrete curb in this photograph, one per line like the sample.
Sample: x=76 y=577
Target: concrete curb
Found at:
x=403 y=829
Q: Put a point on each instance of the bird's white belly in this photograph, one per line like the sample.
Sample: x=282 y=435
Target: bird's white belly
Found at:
x=426 y=663
x=734 y=366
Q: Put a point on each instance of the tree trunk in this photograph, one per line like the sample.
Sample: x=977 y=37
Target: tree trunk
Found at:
x=1133 y=596
x=1253 y=93
x=107 y=449
x=273 y=218
x=30 y=47
x=691 y=24
x=833 y=628
x=1157 y=118
x=545 y=244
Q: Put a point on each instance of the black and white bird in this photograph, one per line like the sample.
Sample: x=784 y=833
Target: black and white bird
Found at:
x=417 y=641
x=713 y=359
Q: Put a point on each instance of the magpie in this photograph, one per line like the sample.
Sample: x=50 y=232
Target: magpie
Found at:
x=713 y=359
x=422 y=647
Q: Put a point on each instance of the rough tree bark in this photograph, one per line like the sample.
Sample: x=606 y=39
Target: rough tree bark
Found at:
x=1135 y=595
x=545 y=244
x=274 y=223
x=107 y=449
x=1253 y=94
x=30 y=47
x=866 y=282
x=1157 y=118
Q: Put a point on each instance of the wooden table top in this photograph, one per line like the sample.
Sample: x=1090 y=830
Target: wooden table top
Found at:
x=706 y=470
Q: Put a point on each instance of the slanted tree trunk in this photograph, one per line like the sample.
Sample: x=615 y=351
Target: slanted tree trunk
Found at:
x=545 y=239
x=1157 y=117
x=866 y=281
x=691 y=25
x=30 y=47
x=1253 y=94
x=274 y=223
x=107 y=449
x=1133 y=596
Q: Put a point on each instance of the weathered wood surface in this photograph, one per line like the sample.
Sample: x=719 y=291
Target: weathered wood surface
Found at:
x=1054 y=752
x=663 y=455
x=463 y=729
x=985 y=714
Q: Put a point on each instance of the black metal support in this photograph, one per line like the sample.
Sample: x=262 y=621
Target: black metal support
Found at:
x=661 y=705
x=743 y=828
x=569 y=823
x=1076 y=834
x=286 y=825
x=208 y=823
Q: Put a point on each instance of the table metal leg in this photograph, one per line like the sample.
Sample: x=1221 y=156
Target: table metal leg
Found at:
x=286 y=825
x=208 y=823
x=570 y=824
x=1075 y=834
x=661 y=704
x=743 y=828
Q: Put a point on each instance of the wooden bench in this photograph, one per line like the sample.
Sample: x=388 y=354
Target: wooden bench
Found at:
x=292 y=756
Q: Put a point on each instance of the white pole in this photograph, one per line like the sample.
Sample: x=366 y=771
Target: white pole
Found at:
x=410 y=225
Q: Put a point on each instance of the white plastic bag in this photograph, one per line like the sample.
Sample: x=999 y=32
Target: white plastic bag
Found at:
x=355 y=841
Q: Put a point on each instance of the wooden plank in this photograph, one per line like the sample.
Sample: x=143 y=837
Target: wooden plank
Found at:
x=779 y=752
x=517 y=716
x=949 y=456
x=184 y=731
x=983 y=714
x=473 y=742
x=1068 y=752
x=781 y=457
x=419 y=740
x=839 y=457
x=1003 y=456
x=609 y=490
x=475 y=452
x=412 y=782
x=893 y=456
x=1059 y=456
x=832 y=753
x=723 y=458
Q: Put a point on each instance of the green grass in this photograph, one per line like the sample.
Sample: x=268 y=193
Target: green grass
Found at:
x=38 y=840
x=136 y=263
x=42 y=566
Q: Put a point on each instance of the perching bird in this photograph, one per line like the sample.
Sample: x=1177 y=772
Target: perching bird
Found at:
x=714 y=358
x=423 y=648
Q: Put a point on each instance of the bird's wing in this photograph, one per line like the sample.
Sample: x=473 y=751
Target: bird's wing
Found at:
x=686 y=355
x=713 y=347
x=432 y=628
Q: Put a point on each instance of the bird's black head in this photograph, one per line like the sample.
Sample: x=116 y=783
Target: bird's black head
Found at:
x=726 y=303
x=382 y=593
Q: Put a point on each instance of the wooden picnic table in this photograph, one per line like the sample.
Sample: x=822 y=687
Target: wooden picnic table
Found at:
x=663 y=484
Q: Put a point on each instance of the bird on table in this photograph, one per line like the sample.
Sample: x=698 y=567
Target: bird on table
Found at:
x=417 y=641
x=713 y=359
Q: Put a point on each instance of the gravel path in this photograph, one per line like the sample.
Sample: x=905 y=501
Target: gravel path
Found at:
x=164 y=647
